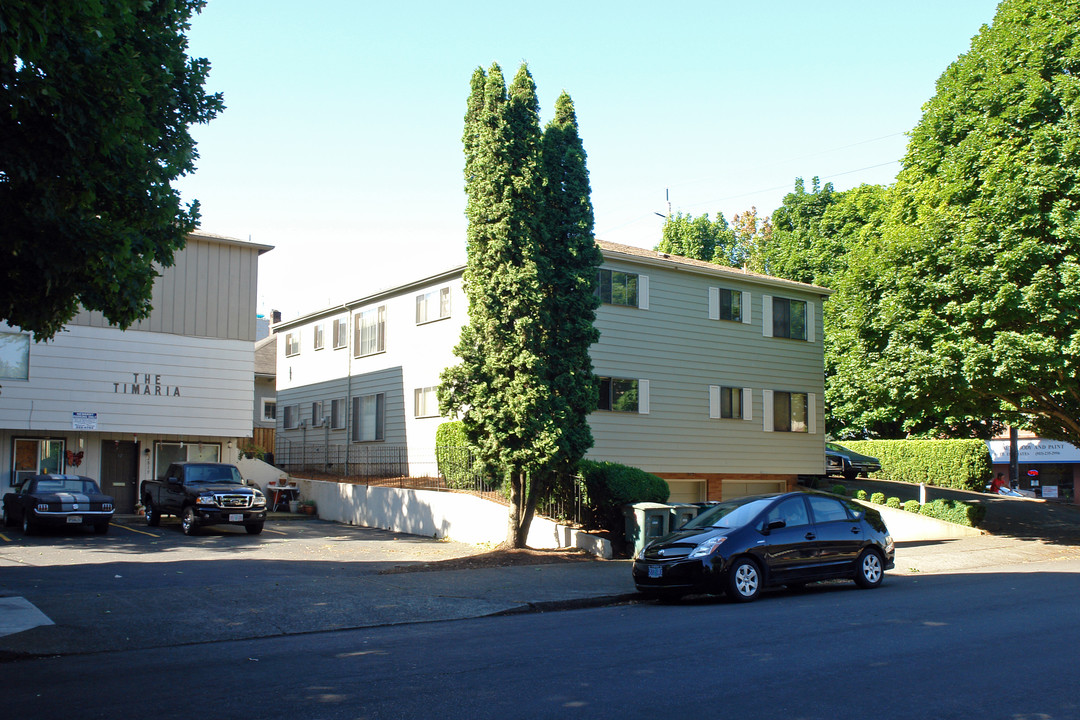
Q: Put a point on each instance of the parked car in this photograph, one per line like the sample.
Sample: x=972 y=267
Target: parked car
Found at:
x=841 y=461
x=737 y=547
x=204 y=493
x=58 y=500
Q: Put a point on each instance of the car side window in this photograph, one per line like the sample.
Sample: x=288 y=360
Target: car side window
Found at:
x=792 y=511
x=827 y=509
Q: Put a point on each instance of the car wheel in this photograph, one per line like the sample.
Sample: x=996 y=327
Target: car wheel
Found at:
x=254 y=528
x=869 y=569
x=153 y=517
x=850 y=473
x=8 y=520
x=27 y=524
x=743 y=580
x=187 y=521
x=101 y=528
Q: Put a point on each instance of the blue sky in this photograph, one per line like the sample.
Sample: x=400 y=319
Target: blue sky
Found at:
x=341 y=141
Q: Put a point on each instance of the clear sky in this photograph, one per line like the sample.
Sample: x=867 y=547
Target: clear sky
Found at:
x=340 y=144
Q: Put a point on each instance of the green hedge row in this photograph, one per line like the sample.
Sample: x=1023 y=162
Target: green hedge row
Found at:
x=959 y=464
x=954 y=511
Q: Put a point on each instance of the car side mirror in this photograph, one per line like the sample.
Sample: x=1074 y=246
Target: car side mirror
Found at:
x=775 y=525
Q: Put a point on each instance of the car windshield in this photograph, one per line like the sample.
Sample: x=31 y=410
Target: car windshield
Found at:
x=836 y=448
x=212 y=474
x=730 y=514
x=65 y=485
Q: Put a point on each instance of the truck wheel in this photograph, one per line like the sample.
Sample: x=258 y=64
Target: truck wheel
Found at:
x=187 y=521
x=254 y=528
x=153 y=517
x=27 y=524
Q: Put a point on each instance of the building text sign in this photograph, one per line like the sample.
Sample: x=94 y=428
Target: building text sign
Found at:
x=84 y=420
x=146 y=384
x=1035 y=450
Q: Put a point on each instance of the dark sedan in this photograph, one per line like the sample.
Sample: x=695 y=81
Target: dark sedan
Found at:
x=839 y=460
x=740 y=546
x=58 y=500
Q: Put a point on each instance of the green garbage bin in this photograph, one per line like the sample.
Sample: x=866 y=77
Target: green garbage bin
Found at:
x=645 y=522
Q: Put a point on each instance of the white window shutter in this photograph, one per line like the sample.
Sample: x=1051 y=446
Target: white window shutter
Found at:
x=643 y=292
x=811 y=413
x=643 y=397
x=714 y=401
x=810 y=321
x=746 y=307
x=766 y=315
x=767 y=410
x=747 y=404
x=714 y=303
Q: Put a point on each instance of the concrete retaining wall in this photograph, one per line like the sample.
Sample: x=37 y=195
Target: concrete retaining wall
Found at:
x=905 y=526
x=458 y=516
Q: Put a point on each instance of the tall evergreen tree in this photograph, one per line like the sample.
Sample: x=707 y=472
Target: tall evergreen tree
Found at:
x=524 y=385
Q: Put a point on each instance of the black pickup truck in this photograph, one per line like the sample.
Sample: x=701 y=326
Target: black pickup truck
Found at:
x=203 y=493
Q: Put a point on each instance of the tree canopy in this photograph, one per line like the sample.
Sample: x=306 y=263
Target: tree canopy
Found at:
x=96 y=98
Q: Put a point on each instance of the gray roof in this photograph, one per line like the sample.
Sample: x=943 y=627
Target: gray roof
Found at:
x=266 y=357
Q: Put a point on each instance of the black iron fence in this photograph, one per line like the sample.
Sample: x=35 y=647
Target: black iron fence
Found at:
x=447 y=469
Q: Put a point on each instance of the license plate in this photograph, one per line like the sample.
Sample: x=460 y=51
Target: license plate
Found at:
x=656 y=571
x=236 y=517
x=74 y=519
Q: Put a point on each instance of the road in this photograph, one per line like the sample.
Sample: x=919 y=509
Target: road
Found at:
x=987 y=645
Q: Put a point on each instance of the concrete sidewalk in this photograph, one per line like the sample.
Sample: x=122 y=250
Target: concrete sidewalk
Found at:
x=142 y=616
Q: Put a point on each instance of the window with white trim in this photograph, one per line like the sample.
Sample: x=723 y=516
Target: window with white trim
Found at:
x=790 y=411
x=317 y=413
x=786 y=318
x=623 y=395
x=289 y=417
x=432 y=306
x=32 y=456
x=426 y=402
x=727 y=304
x=341 y=331
x=730 y=403
x=615 y=287
x=337 y=414
x=319 y=337
x=269 y=410
x=368 y=416
x=167 y=453
x=370 y=332
x=292 y=343
x=14 y=356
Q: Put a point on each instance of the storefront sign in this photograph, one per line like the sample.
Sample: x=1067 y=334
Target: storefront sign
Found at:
x=1035 y=450
x=146 y=384
x=84 y=421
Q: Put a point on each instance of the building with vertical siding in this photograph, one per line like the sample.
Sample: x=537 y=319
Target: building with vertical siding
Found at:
x=120 y=405
x=710 y=377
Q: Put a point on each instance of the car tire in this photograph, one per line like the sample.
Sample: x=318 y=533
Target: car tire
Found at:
x=188 y=522
x=8 y=520
x=744 y=580
x=28 y=526
x=850 y=473
x=153 y=517
x=101 y=528
x=869 y=569
x=254 y=528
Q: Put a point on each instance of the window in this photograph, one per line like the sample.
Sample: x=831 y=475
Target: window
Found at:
x=426 y=402
x=290 y=420
x=368 y=413
x=269 y=410
x=319 y=342
x=370 y=334
x=341 y=330
x=619 y=395
x=432 y=306
x=317 y=413
x=725 y=304
x=615 y=287
x=14 y=356
x=292 y=344
x=34 y=456
x=790 y=411
x=826 y=509
x=169 y=452
x=337 y=414
x=791 y=511
x=730 y=402
x=786 y=318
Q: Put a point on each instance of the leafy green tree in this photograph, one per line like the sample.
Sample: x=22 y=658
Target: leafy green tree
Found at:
x=978 y=271
x=696 y=237
x=96 y=98
x=524 y=383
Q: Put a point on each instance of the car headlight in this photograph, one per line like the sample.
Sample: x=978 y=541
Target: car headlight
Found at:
x=708 y=547
x=205 y=500
x=259 y=499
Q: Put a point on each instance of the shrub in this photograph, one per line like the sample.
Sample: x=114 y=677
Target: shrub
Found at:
x=912 y=506
x=878 y=498
x=860 y=495
x=959 y=464
x=838 y=489
x=893 y=502
x=609 y=486
x=455 y=460
x=955 y=511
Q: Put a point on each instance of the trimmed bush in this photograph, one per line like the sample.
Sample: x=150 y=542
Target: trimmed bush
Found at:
x=838 y=489
x=959 y=464
x=609 y=486
x=893 y=502
x=912 y=506
x=954 y=511
x=455 y=460
x=860 y=495
x=878 y=498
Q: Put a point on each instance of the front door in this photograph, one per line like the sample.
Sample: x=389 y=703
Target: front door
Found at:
x=120 y=473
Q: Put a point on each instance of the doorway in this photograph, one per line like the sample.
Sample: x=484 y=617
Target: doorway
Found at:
x=120 y=473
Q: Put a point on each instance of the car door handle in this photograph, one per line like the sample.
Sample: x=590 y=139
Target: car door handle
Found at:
x=810 y=536
x=854 y=529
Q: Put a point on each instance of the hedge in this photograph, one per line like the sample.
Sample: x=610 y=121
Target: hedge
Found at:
x=958 y=464
x=455 y=461
x=609 y=486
